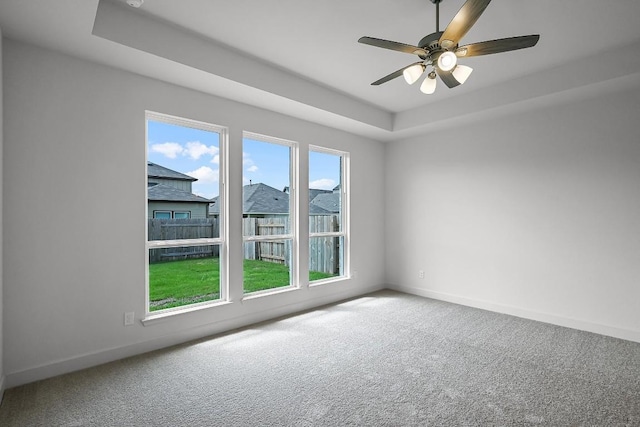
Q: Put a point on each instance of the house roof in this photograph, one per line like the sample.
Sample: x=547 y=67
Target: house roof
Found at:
x=167 y=193
x=327 y=201
x=264 y=199
x=157 y=171
x=261 y=198
x=313 y=192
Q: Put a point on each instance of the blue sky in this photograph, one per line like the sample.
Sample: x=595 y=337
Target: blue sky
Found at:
x=195 y=152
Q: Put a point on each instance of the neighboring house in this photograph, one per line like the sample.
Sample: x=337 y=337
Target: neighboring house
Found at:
x=263 y=201
x=169 y=195
x=325 y=199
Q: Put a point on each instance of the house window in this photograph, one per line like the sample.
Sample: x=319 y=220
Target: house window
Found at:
x=162 y=214
x=171 y=214
x=185 y=242
x=328 y=214
x=182 y=215
x=269 y=213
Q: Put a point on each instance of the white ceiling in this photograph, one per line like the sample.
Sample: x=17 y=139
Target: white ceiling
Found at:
x=301 y=57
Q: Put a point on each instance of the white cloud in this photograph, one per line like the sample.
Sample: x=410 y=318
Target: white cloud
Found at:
x=168 y=149
x=204 y=175
x=196 y=149
x=248 y=162
x=216 y=159
x=323 y=184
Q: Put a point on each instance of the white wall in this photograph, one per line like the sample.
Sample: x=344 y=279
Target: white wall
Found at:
x=74 y=149
x=1 y=235
x=535 y=214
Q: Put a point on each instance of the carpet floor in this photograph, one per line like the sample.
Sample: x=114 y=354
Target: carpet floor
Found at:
x=385 y=359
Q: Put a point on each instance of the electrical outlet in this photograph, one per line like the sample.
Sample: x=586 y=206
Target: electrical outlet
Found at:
x=421 y=274
x=128 y=318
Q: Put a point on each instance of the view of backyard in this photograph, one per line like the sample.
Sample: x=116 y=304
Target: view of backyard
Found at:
x=189 y=281
x=185 y=213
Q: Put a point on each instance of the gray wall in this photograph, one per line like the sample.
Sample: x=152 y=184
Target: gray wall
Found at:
x=68 y=280
x=180 y=184
x=198 y=210
x=534 y=214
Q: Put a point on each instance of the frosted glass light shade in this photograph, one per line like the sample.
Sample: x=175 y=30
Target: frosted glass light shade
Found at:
x=447 y=61
x=462 y=73
x=413 y=73
x=428 y=86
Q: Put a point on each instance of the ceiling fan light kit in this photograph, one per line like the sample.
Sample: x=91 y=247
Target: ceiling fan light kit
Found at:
x=447 y=61
x=428 y=86
x=462 y=73
x=440 y=50
x=412 y=73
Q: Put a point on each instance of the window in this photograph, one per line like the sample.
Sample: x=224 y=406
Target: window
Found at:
x=181 y=215
x=328 y=202
x=162 y=214
x=185 y=233
x=171 y=214
x=269 y=213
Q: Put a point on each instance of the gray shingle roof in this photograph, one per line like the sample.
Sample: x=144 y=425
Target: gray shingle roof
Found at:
x=263 y=199
x=313 y=192
x=166 y=193
x=328 y=201
x=157 y=171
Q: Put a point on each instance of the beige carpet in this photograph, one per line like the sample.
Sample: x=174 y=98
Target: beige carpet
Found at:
x=387 y=359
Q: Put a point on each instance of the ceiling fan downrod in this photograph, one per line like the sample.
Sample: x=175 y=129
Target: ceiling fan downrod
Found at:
x=437 y=3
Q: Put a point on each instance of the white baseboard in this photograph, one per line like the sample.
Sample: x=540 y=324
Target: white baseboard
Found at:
x=583 y=325
x=102 y=356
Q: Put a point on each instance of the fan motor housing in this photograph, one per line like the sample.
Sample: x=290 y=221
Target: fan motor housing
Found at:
x=431 y=42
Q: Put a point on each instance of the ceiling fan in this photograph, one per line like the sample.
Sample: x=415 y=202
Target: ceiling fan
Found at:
x=440 y=50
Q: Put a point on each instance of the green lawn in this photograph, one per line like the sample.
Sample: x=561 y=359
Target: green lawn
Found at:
x=178 y=283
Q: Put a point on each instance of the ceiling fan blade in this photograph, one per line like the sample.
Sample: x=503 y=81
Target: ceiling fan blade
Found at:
x=496 y=46
x=447 y=78
x=462 y=22
x=393 y=75
x=398 y=47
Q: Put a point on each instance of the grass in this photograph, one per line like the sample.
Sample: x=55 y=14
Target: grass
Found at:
x=178 y=283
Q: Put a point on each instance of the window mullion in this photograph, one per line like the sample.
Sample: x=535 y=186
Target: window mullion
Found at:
x=156 y=244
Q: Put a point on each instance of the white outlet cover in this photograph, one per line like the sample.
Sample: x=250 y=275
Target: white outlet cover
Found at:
x=129 y=318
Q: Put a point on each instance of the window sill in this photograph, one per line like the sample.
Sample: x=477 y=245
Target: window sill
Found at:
x=328 y=281
x=268 y=292
x=161 y=317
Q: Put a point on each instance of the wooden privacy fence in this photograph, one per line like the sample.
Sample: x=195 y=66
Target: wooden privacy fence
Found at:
x=178 y=229
x=274 y=251
x=324 y=252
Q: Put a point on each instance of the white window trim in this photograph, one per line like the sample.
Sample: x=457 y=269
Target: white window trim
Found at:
x=220 y=241
x=345 y=214
x=293 y=235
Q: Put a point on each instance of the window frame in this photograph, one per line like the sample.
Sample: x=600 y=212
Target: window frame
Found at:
x=172 y=214
x=220 y=241
x=162 y=212
x=344 y=214
x=188 y=213
x=293 y=235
